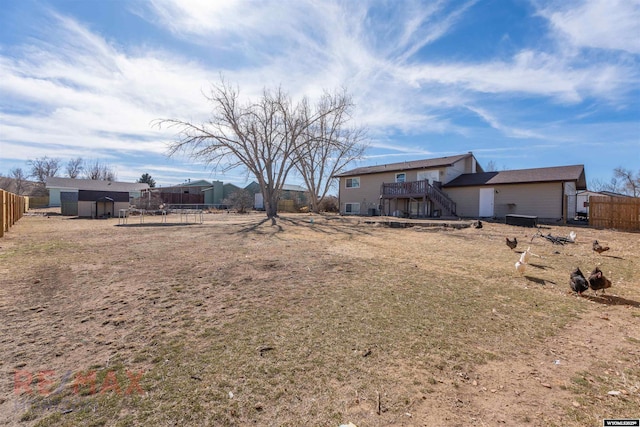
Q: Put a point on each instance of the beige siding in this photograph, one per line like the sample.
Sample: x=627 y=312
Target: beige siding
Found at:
x=457 y=169
x=84 y=209
x=543 y=200
x=368 y=195
x=467 y=200
x=87 y=209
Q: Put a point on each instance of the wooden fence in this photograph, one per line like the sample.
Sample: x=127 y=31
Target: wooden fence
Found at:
x=38 y=202
x=12 y=208
x=621 y=213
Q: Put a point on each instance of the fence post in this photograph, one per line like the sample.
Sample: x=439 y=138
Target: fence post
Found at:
x=2 y=217
x=12 y=208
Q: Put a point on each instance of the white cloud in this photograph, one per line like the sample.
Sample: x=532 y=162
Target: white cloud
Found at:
x=530 y=73
x=85 y=93
x=604 y=24
x=507 y=130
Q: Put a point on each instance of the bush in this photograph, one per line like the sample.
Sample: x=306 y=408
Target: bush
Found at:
x=329 y=204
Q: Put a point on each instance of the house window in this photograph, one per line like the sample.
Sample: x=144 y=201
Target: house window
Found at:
x=352 y=208
x=353 y=182
x=401 y=177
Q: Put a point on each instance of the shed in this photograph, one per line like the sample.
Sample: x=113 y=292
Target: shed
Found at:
x=92 y=198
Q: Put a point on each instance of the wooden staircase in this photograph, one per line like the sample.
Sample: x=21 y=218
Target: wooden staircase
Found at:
x=440 y=199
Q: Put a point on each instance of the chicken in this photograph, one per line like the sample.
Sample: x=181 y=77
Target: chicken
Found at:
x=572 y=237
x=578 y=282
x=477 y=224
x=599 y=248
x=520 y=267
x=512 y=243
x=597 y=281
x=524 y=257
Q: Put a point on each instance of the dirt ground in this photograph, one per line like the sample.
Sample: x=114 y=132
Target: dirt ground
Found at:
x=318 y=320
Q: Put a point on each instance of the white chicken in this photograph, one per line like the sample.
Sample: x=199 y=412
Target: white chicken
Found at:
x=572 y=236
x=520 y=267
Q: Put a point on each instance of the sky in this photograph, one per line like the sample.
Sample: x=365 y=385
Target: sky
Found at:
x=521 y=84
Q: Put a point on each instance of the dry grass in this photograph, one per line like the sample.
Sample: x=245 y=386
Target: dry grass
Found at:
x=237 y=322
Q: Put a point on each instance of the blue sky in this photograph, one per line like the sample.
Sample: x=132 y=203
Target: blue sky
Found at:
x=519 y=83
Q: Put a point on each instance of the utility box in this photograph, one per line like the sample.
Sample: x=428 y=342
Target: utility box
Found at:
x=522 y=220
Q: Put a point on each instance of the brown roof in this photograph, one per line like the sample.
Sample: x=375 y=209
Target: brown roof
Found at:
x=521 y=176
x=403 y=166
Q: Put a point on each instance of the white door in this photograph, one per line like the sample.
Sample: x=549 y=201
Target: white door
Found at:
x=486 y=202
x=258 y=201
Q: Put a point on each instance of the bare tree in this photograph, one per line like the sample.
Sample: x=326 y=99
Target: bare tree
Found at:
x=597 y=184
x=74 y=167
x=5 y=182
x=328 y=145
x=492 y=166
x=622 y=182
x=99 y=171
x=261 y=136
x=43 y=168
x=630 y=183
x=19 y=180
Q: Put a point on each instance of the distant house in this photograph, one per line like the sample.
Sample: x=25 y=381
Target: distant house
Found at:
x=214 y=195
x=228 y=189
x=457 y=186
x=187 y=193
x=292 y=197
x=92 y=198
x=582 y=208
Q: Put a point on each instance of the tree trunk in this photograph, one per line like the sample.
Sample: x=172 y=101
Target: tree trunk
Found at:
x=271 y=207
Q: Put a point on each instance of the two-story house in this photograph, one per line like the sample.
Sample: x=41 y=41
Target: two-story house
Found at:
x=404 y=189
x=457 y=186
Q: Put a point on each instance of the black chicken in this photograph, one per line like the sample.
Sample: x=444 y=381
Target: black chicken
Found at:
x=512 y=243
x=597 y=281
x=578 y=282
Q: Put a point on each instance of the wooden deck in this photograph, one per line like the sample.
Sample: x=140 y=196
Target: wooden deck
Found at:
x=419 y=190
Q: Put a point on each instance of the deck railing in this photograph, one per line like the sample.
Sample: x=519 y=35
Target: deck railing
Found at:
x=419 y=189
x=412 y=188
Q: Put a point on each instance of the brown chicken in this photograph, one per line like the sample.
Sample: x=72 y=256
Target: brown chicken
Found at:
x=512 y=243
x=599 y=248
x=597 y=281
